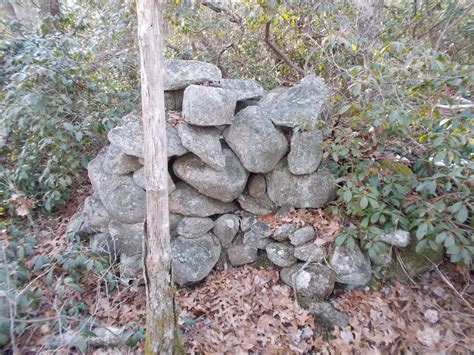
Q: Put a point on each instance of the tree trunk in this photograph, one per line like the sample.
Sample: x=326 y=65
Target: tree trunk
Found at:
x=157 y=254
x=370 y=17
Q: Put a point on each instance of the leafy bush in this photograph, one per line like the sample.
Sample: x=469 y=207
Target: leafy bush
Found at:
x=60 y=100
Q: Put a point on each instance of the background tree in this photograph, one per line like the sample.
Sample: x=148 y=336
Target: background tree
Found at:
x=157 y=253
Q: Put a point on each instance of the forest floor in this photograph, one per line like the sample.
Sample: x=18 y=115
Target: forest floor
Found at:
x=248 y=310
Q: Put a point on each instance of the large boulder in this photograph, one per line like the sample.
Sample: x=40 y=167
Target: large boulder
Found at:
x=187 y=201
x=256 y=205
x=313 y=282
x=179 y=74
x=297 y=106
x=129 y=138
x=194 y=227
x=305 y=151
x=126 y=238
x=244 y=89
x=208 y=106
x=121 y=197
x=119 y=163
x=203 y=142
x=300 y=191
x=224 y=185
x=256 y=141
x=139 y=180
x=352 y=267
x=95 y=215
x=193 y=259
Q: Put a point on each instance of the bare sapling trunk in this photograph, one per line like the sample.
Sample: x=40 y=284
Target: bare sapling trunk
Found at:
x=157 y=252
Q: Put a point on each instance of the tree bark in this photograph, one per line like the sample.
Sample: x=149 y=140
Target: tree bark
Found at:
x=157 y=252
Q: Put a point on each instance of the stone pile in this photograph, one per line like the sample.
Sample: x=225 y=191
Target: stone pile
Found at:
x=235 y=152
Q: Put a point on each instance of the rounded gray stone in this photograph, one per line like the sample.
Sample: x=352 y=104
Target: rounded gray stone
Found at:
x=255 y=240
x=226 y=228
x=94 y=213
x=302 y=235
x=310 y=251
x=187 y=201
x=281 y=254
x=300 y=191
x=283 y=231
x=224 y=185
x=203 y=142
x=194 y=259
x=257 y=185
x=313 y=282
x=261 y=228
x=208 y=106
x=178 y=74
x=242 y=254
x=352 y=267
x=296 y=106
x=126 y=238
x=244 y=89
x=305 y=151
x=119 y=163
x=194 y=227
x=256 y=205
x=256 y=141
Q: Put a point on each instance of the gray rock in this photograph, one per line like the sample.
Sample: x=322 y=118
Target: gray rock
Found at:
x=281 y=254
x=224 y=185
x=247 y=221
x=187 y=201
x=139 y=180
x=77 y=225
x=174 y=220
x=328 y=316
x=268 y=99
x=130 y=268
x=305 y=151
x=194 y=227
x=226 y=228
x=256 y=240
x=298 y=105
x=351 y=266
x=300 y=191
x=310 y=251
x=124 y=200
x=175 y=147
x=129 y=138
x=208 y=106
x=178 y=74
x=244 y=104
x=256 y=205
x=116 y=162
x=256 y=141
x=95 y=213
x=257 y=185
x=283 y=232
x=261 y=228
x=302 y=235
x=397 y=238
x=313 y=283
x=126 y=238
x=193 y=259
x=174 y=100
x=381 y=259
x=203 y=142
x=242 y=254
x=244 y=89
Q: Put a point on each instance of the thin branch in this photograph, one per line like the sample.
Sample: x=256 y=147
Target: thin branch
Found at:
x=214 y=6
x=278 y=52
